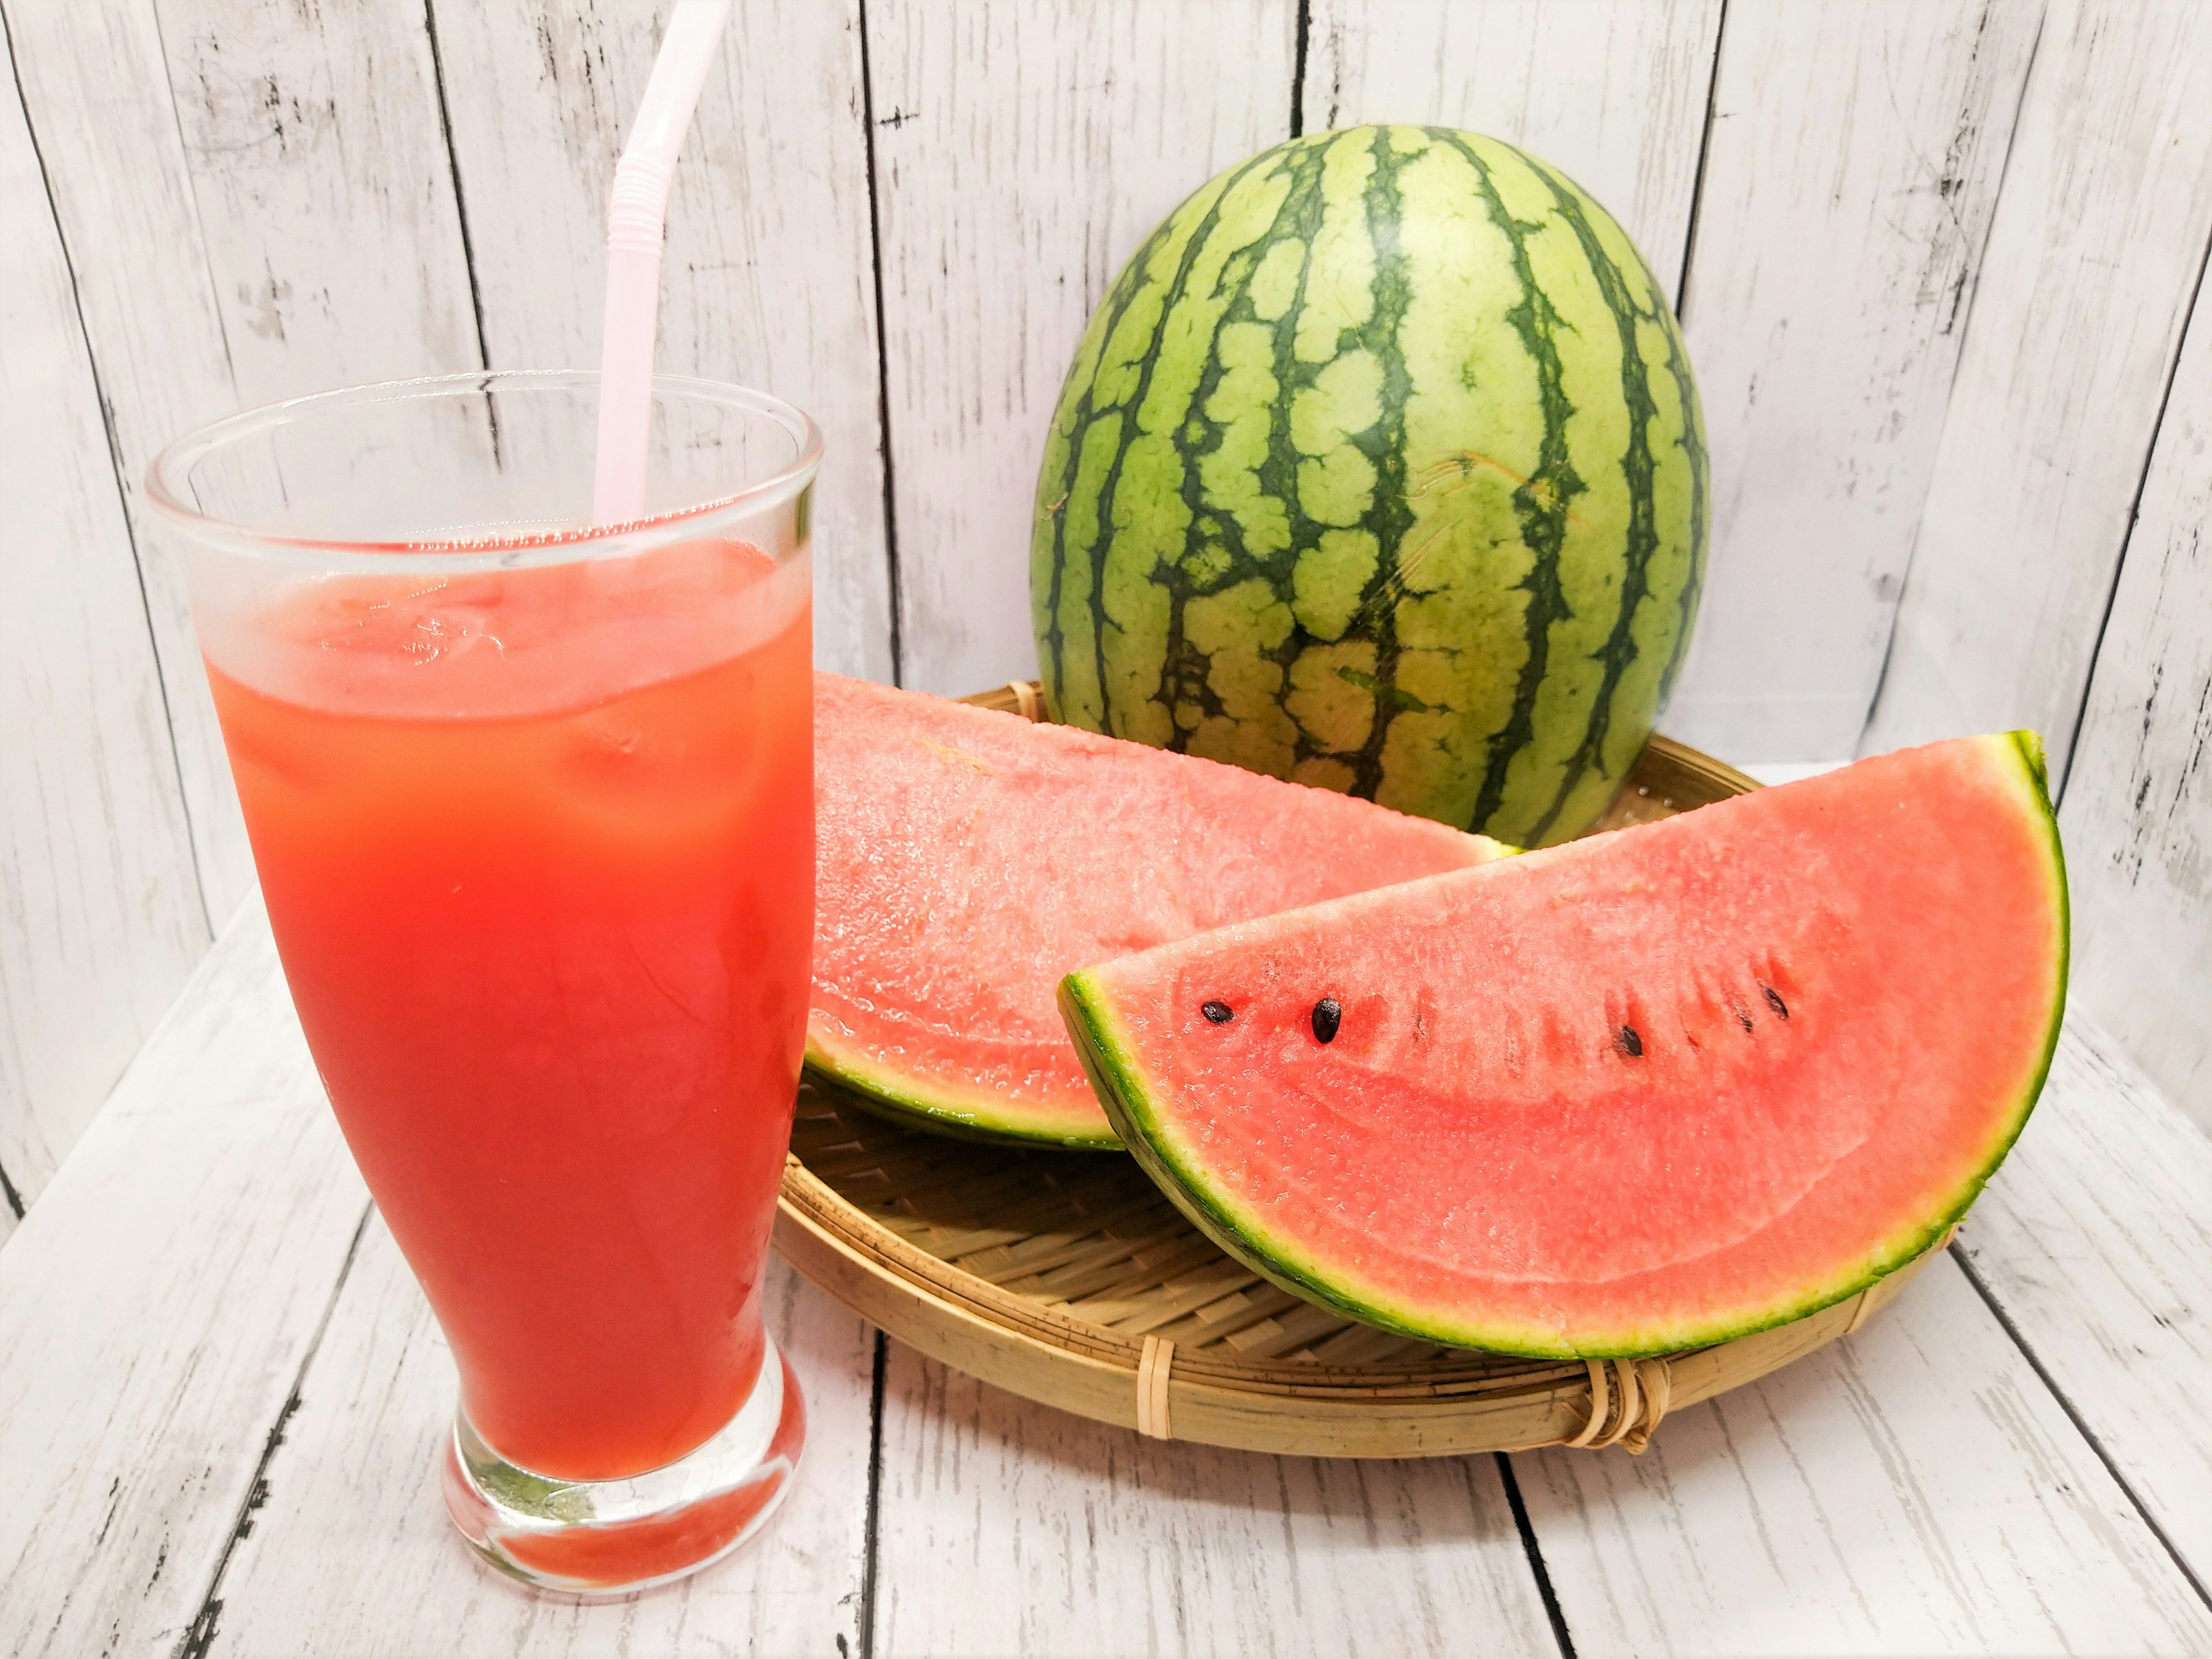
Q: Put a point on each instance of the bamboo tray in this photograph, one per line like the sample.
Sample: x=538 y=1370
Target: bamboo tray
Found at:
x=1070 y=1278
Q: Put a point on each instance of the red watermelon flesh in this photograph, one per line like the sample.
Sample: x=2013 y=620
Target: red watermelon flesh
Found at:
x=968 y=858
x=1644 y=1091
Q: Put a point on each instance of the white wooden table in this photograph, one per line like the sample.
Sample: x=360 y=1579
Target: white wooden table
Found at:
x=220 y=1392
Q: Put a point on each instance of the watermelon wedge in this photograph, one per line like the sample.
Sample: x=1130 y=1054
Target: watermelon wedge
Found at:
x=1641 y=1093
x=968 y=858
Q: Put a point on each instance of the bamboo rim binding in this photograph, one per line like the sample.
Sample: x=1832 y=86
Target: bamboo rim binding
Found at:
x=1152 y=1372
x=1628 y=1413
x=1029 y=699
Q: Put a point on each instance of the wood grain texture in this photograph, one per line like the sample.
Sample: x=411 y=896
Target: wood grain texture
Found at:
x=1855 y=155
x=101 y=916
x=352 y=1552
x=1913 y=1489
x=2137 y=811
x=2092 y=259
x=325 y=193
x=2096 y=1240
x=154 y=1311
x=1613 y=92
x=766 y=279
x=1022 y=151
x=97 y=89
x=1009 y=1527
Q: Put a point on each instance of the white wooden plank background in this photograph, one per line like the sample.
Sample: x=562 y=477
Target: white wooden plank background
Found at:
x=2092 y=260
x=154 y=1313
x=1613 y=92
x=352 y=1551
x=1009 y=1527
x=1023 y=150
x=325 y=192
x=101 y=916
x=1855 y=155
x=766 y=277
x=1911 y=1489
x=2095 y=1241
x=2137 y=816
x=96 y=85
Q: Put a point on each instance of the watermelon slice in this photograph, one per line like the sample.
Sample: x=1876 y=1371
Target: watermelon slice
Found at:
x=1640 y=1092
x=969 y=859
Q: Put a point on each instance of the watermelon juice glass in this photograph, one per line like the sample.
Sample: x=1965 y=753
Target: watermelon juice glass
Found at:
x=531 y=804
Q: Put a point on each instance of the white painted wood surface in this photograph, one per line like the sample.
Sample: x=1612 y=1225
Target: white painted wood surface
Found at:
x=1613 y=92
x=100 y=917
x=1855 y=155
x=96 y=89
x=1911 y=1489
x=1023 y=150
x=2092 y=261
x=325 y=192
x=2137 y=815
x=767 y=277
x=1010 y=1527
x=2095 y=1240
x=352 y=1552
x=154 y=1309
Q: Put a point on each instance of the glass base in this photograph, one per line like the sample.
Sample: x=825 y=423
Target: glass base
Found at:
x=611 y=1537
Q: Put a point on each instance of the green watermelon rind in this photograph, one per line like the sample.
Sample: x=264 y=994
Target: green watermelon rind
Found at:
x=909 y=1104
x=1119 y=1080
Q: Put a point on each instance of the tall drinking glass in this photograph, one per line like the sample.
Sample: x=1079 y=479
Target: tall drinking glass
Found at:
x=533 y=808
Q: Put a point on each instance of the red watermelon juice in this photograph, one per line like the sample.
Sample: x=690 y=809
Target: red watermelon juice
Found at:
x=537 y=848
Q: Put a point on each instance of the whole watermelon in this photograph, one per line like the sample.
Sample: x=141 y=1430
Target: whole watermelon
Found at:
x=1380 y=467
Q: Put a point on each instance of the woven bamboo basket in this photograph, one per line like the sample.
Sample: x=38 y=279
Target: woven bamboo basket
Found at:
x=1070 y=1278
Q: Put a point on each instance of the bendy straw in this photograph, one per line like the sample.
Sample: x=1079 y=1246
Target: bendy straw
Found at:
x=636 y=218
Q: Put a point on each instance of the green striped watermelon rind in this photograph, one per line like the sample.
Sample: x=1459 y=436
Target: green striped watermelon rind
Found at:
x=1123 y=565
x=1119 y=1079
x=898 y=1099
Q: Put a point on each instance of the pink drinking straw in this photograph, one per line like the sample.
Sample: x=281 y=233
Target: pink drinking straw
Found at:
x=635 y=216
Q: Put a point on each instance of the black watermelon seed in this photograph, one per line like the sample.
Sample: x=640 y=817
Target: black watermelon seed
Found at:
x=1742 y=1015
x=1774 y=1000
x=1629 y=1044
x=1219 y=1012
x=1328 y=1014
